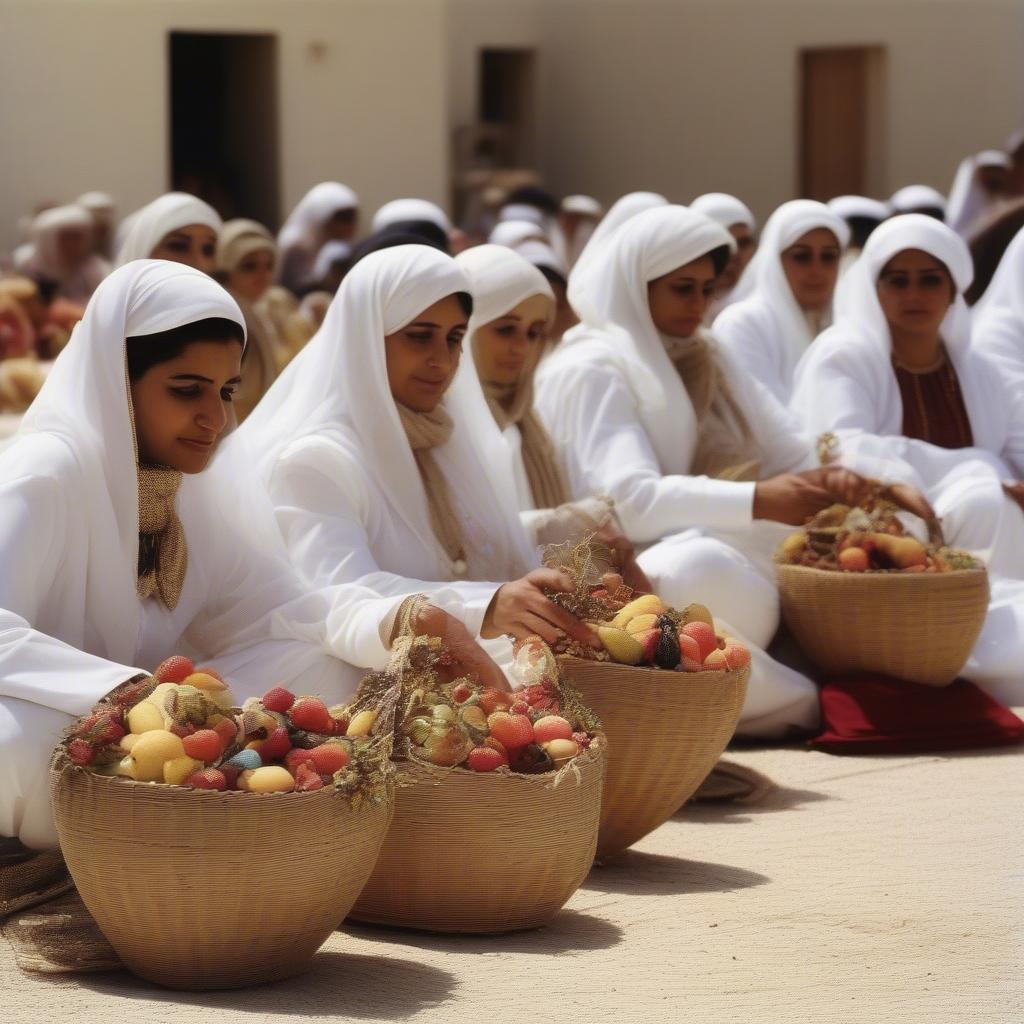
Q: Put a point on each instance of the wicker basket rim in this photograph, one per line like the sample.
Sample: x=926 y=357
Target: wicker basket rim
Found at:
x=62 y=763
x=712 y=675
x=883 y=574
x=592 y=753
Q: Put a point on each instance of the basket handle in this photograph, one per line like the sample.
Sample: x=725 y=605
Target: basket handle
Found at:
x=898 y=495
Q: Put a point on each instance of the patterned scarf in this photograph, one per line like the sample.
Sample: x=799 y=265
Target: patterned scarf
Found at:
x=163 y=553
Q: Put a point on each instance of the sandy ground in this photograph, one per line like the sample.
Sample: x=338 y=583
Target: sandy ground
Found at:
x=863 y=890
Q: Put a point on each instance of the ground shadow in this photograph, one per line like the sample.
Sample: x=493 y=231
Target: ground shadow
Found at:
x=569 y=932
x=655 y=874
x=782 y=798
x=337 y=984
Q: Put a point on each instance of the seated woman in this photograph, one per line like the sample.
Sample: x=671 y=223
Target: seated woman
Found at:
x=119 y=547
x=692 y=450
x=61 y=254
x=910 y=396
x=176 y=227
x=513 y=307
x=735 y=216
x=384 y=463
x=246 y=260
x=785 y=297
x=327 y=211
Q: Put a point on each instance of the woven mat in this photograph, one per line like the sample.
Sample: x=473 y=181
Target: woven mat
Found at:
x=59 y=937
x=730 y=781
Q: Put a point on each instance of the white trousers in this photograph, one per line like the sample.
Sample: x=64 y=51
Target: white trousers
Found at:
x=28 y=734
x=739 y=588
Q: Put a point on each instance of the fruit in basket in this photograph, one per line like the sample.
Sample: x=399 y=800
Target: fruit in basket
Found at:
x=561 y=750
x=278 y=699
x=175 y=669
x=272 y=778
x=704 y=635
x=666 y=651
x=329 y=758
x=512 y=731
x=485 y=759
x=275 y=747
x=204 y=745
x=624 y=648
x=648 y=604
x=716 y=661
x=246 y=760
x=642 y=623
x=854 y=559
x=145 y=717
x=311 y=714
x=178 y=769
x=552 y=727
x=152 y=749
x=736 y=655
x=362 y=723
x=207 y=778
x=697 y=613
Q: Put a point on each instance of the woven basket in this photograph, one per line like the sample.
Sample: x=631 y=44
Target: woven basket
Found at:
x=204 y=890
x=665 y=732
x=485 y=852
x=920 y=627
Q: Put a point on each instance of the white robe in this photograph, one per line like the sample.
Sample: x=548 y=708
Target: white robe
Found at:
x=763 y=327
x=847 y=385
x=71 y=625
x=633 y=435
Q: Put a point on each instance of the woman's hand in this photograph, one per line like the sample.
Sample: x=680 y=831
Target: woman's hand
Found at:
x=470 y=658
x=790 y=498
x=522 y=609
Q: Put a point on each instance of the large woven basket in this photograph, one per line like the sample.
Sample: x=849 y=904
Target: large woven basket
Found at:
x=204 y=890
x=490 y=852
x=665 y=732
x=920 y=627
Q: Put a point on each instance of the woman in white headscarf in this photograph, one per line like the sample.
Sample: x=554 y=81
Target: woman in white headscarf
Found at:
x=328 y=210
x=178 y=227
x=513 y=308
x=383 y=461
x=246 y=261
x=981 y=184
x=921 y=199
x=909 y=397
x=512 y=233
x=120 y=547
x=736 y=217
x=785 y=297
x=998 y=316
x=578 y=217
x=695 y=454
x=101 y=208
x=61 y=253
x=403 y=214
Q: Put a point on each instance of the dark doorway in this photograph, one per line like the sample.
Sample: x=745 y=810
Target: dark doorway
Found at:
x=223 y=93
x=506 y=104
x=841 y=121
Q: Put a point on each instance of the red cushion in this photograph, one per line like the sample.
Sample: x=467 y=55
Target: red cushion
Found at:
x=878 y=715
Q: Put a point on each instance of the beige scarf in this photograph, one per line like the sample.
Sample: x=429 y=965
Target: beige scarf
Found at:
x=726 y=447
x=513 y=403
x=163 y=554
x=425 y=431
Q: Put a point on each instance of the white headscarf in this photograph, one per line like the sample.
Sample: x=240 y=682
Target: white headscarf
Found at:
x=499 y=279
x=524 y=211
x=514 y=232
x=337 y=388
x=171 y=212
x=313 y=210
x=621 y=211
x=330 y=253
x=586 y=206
x=96 y=202
x=858 y=206
x=724 y=209
x=84 y=404
x=859 y=346
x=763 y=321
x=401 y=211
x=968 y=200
x=45 y=228
x=617 y=327
x=540 y=254
x=917 y=197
